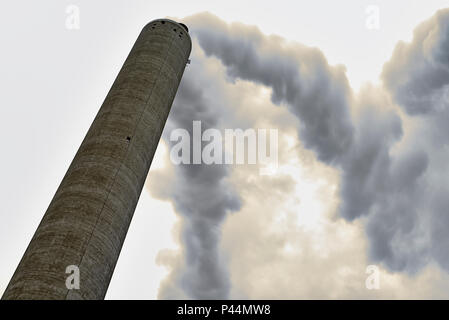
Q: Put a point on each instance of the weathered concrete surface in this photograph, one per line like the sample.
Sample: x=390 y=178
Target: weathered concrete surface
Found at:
x=88 y=218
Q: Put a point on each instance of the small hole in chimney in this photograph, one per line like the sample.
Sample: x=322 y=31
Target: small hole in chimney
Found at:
x=128 y=138
x=163 y=22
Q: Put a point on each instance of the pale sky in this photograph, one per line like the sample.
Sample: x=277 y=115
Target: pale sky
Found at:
x=54 y=81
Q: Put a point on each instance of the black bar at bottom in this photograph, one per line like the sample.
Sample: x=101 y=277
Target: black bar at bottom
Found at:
x=228 y=309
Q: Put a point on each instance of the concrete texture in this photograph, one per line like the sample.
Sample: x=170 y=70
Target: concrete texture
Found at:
x=88 y=218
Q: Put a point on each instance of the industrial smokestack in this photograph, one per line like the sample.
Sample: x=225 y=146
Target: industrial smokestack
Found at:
x=88 y=218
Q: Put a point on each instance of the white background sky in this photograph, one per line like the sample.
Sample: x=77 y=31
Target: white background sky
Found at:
x=54 y=80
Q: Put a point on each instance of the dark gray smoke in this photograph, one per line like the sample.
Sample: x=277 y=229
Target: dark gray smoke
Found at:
x=299 y=76
x=202 y=195
x=417 y=74
x=392 y=181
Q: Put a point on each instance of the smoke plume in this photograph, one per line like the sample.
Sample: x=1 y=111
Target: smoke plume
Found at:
x=385 y=177
x=389 y=143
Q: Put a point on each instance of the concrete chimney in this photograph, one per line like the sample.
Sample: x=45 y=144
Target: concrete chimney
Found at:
x=87 y=220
